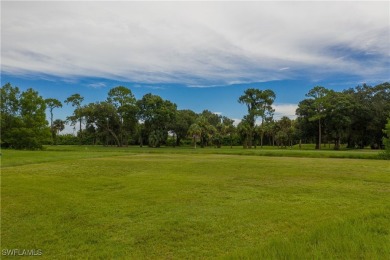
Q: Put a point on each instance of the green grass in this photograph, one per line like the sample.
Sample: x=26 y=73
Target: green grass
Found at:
x=69 y=152
x=184 y=203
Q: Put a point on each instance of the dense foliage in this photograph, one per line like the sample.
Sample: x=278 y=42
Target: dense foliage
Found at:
x=386 y=140
x=23 y=119
x=355 y=117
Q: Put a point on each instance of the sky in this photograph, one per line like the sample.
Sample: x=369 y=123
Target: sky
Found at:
x=199 y=55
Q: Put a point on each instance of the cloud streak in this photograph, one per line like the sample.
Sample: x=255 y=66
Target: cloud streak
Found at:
x=97 y=85
x=197 y=44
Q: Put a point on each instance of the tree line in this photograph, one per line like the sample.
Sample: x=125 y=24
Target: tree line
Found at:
x=356 y=117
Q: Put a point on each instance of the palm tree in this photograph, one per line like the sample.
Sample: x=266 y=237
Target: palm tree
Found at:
x=259 y=103
x=75 y=100
x=57 y=126
x=245 y=131
x=195 y=131
x=52 y=103
x=155 y=138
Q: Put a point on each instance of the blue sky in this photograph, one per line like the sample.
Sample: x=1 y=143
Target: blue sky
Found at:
x=199 y=55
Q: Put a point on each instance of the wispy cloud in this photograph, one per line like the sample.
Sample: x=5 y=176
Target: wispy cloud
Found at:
x=196 y=43
x=97 y=85
x=147 y=86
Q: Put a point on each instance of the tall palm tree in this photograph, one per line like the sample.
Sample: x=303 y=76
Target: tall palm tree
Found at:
x=57 y=126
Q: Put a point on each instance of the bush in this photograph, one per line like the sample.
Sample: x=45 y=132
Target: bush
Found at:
x=30 y=139
x=386 y=141
x=68 y=139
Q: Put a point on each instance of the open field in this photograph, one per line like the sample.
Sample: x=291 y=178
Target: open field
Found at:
x=95 y=202
x=69 y=152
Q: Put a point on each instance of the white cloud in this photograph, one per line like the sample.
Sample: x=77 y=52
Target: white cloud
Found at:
x=236 y=121
x=69 y=130
x=146 y=86
x=195 y=43
x=285 y=110
x=97 y=85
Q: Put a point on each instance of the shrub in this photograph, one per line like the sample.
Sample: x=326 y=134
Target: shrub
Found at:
x=386 y=141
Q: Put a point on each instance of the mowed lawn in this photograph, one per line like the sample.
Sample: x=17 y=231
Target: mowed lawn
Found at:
x=175 y=206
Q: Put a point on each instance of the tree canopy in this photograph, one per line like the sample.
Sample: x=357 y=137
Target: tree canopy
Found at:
x=23 y=119
x=357 y=117
x=259 y=104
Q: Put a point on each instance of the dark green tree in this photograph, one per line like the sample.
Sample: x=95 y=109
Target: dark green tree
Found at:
x=28 y=129
x=125 y=104
x=285 y=132
x=269 y=128
x=386 y=140
x=245 y=129
x=308 y=128
x=10 y=112
x=180 y=126
x=259 y=104
x=318 y=94
x=338 y=116
x=158 y=116
x=370 y=109
x=104 y=116
x=57 y=126
x=228 y=129
x=213 y=118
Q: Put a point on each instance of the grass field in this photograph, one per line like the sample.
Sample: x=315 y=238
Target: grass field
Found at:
x=69 y=152
x=94 y=202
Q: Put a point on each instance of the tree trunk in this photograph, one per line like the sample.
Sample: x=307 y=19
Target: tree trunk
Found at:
x=319 y=134
x=126 y=140
x=118 y=143
x=80 y=132
x=249 y=145
x=337 y=144
x=245 y=143
x=261 y=141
